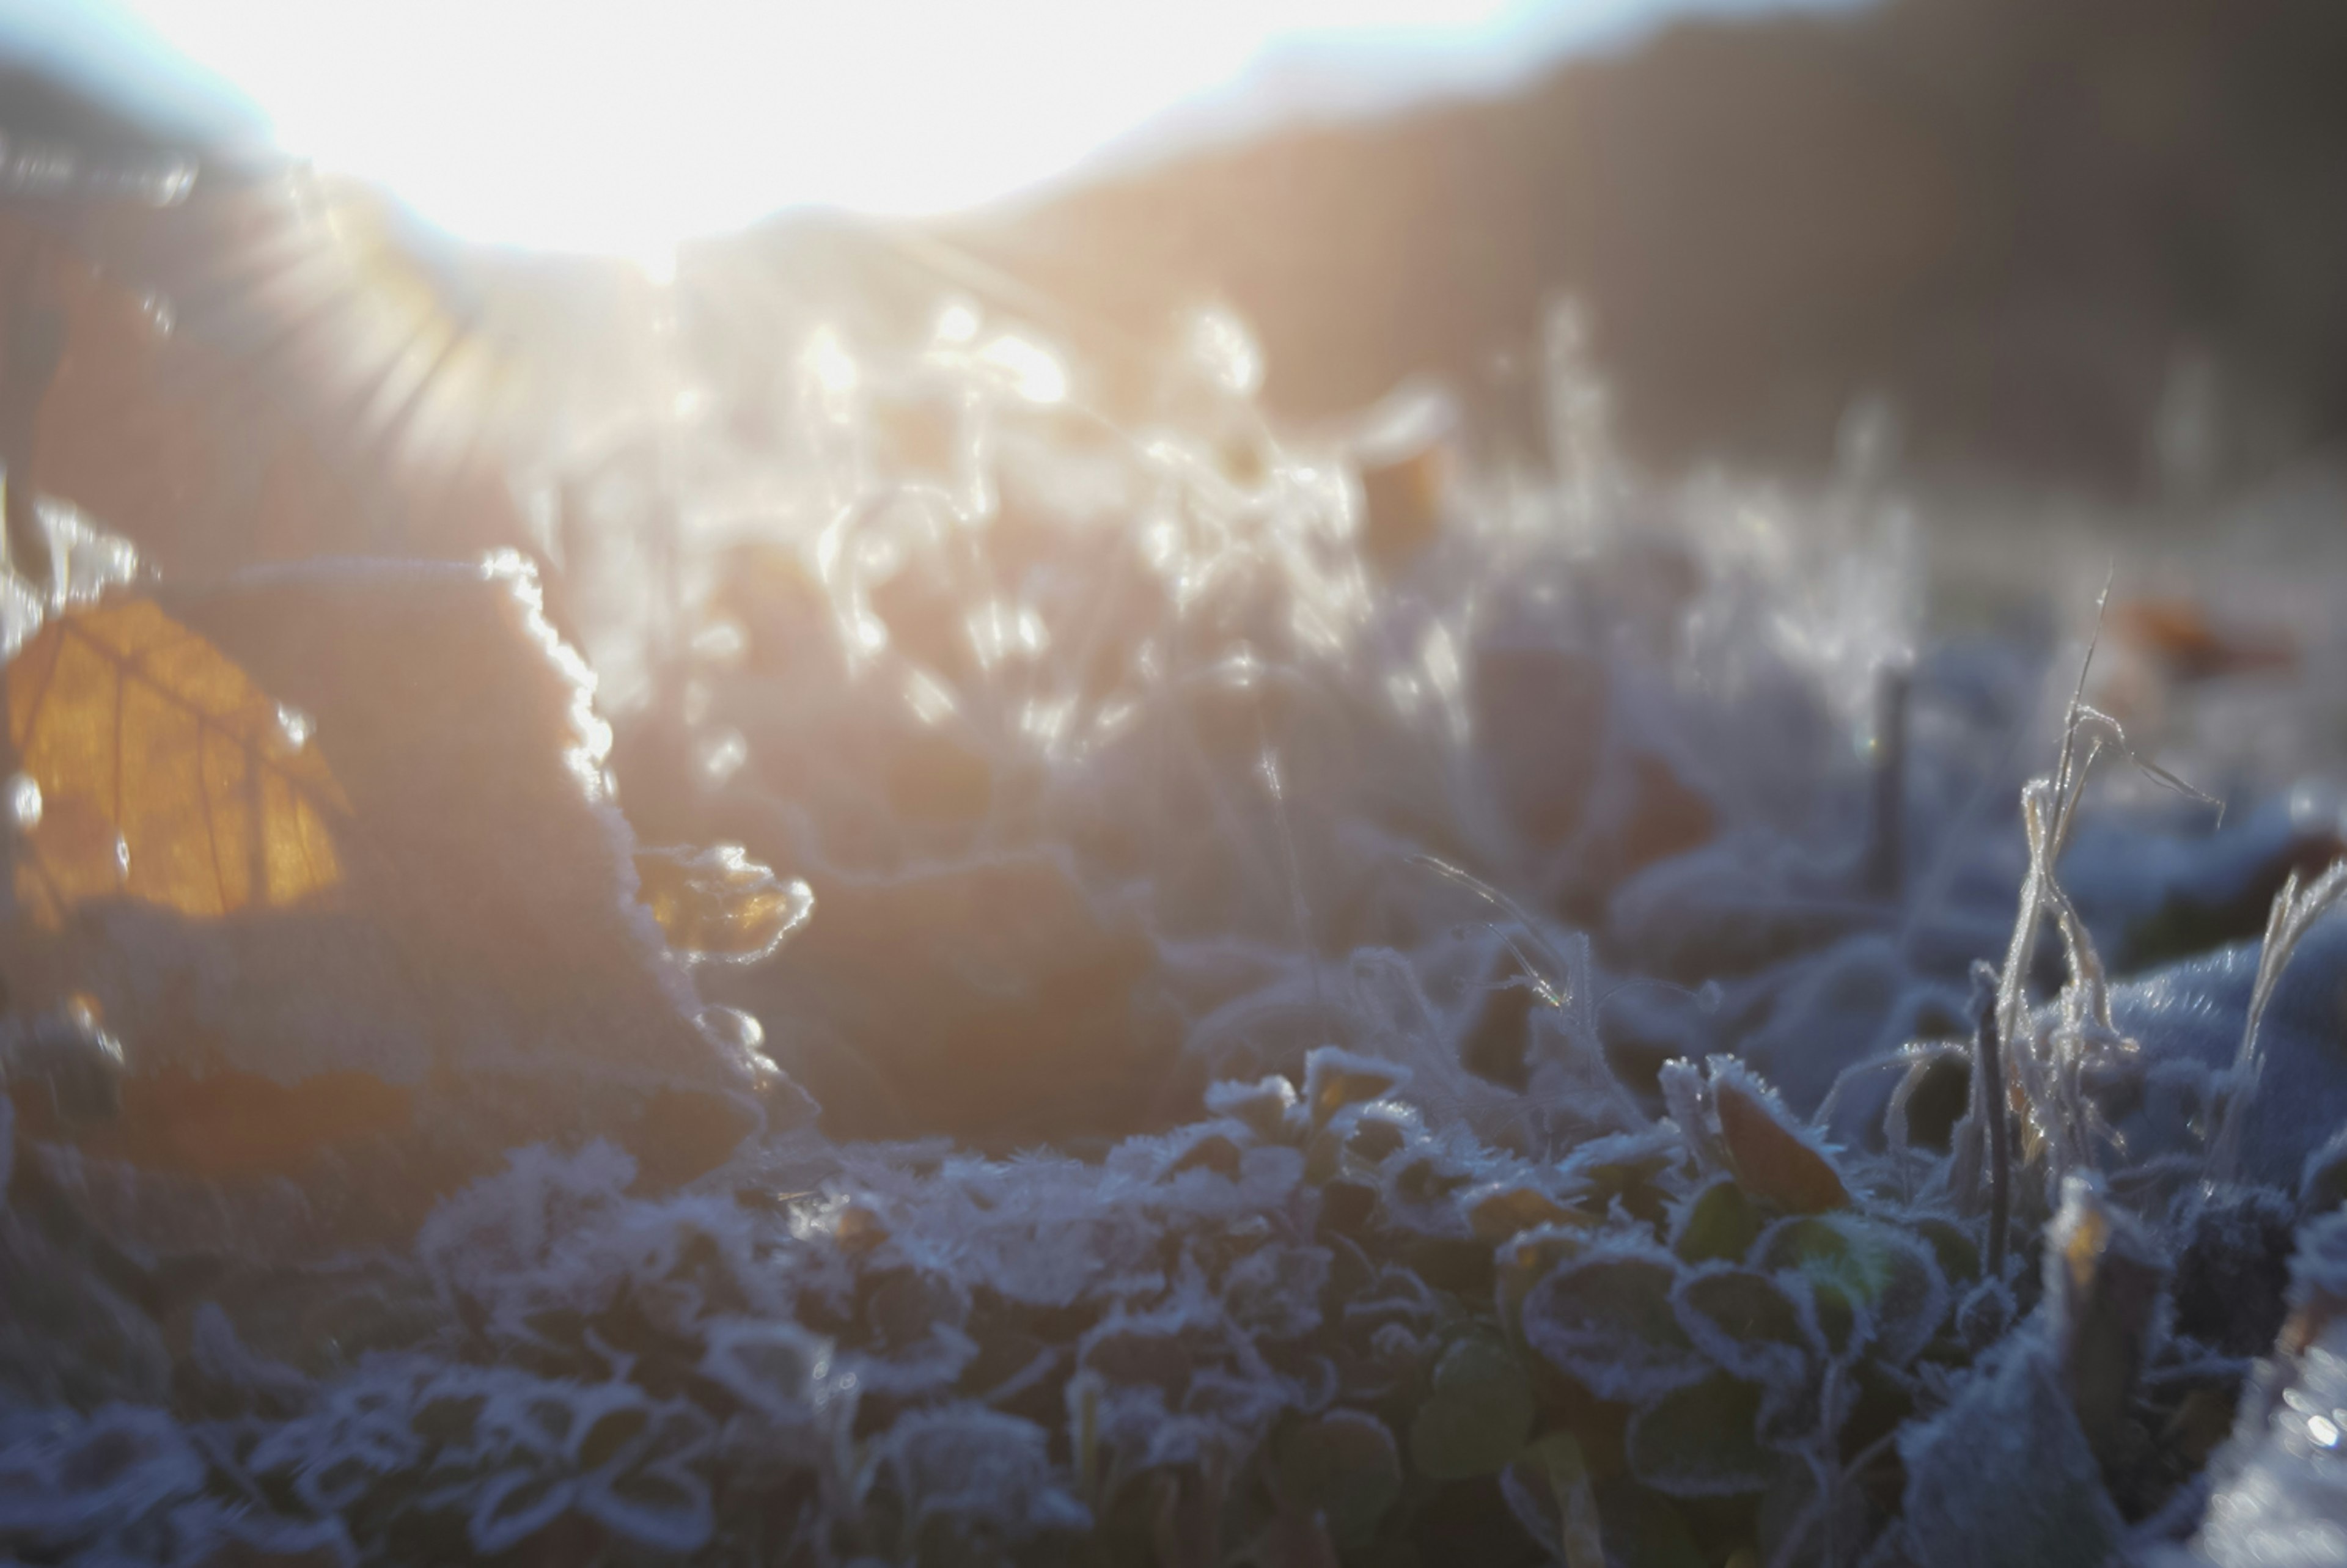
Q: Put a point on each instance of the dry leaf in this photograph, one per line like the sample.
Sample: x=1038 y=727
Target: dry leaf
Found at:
x=1773 y=1159
x=160 y=774
x=421 y=922
x=718 y=904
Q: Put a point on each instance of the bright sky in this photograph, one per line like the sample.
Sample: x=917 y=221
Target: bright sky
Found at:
x=625 y=126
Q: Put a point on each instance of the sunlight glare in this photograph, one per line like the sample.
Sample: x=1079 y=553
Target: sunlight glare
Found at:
x=622 y=128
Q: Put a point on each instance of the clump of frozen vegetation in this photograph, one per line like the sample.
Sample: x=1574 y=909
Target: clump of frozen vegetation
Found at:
x=1365 y=1012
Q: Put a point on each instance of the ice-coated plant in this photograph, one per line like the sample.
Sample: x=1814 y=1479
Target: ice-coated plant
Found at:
x=1343 y=1042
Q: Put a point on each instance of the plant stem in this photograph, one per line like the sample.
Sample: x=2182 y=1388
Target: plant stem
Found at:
x=1988 y=1061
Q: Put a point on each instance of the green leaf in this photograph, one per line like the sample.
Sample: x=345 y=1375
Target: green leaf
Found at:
x=1604 y=1319
x=1749 y=1324
x=1951 y=1243
x=1477 y=1416
x=1856 y=1265
x=1700 y=1440
x=1720 y=1224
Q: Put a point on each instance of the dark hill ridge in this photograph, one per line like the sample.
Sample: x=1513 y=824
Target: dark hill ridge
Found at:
x=2016 y=219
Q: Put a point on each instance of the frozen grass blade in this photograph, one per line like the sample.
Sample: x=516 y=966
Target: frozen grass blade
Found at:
x=2063 y=1122
x=2295 y=910
x=1571 y=980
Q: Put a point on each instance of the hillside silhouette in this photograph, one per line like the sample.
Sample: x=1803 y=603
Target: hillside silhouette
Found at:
x=2031 y=227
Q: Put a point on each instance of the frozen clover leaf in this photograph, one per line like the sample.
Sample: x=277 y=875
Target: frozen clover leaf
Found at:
x=1604 y=1318
x=1872 y=1281
x=661 y=1507
x=65 y=1477
x=778 y=1369
x=958 y=1477
x=1750 y=1323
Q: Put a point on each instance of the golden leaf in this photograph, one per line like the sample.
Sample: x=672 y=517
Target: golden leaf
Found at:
x=1774 y=1161
x=165 y=775
x=719 y=903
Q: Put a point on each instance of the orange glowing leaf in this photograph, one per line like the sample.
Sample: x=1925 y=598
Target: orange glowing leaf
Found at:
x=166 y=776
x=719 y=904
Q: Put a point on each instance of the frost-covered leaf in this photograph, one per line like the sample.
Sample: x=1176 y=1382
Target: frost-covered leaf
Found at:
x=1779 y=1160
x=515 y=1506
x=2233 y=1267
x=1982 y=1314
x=2003 y=1477
x=1750 y=1323
x=1604 y=1318
x=662 y=1507
x=1506 y=1209
x=1267 y=1105
x=1211 y=1149
x=1641 y=1172
x=1526 y=1258
x=1476 y=1414
x=65 y=1476
x=778 y=1369
x=1335 y=1078
x=961 y=1472
x=1953 y=1243
x=1700 y=1440
x=608 y=1425
x=1872 y=1282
